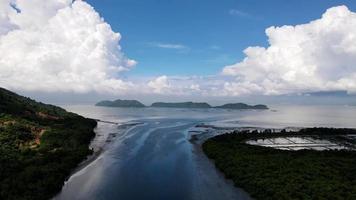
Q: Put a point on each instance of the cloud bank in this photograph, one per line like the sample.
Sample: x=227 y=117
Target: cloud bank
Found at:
x=320 y=55
x=61 y=46
x=188 y=85
x=317 y=56
x=65 y=46
x=160 y=84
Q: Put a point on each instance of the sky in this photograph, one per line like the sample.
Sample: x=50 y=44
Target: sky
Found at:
x=208 y=34
x=177 y=49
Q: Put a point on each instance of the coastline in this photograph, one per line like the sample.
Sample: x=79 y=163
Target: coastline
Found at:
x=205 y=179
x=147 y=149
x=207 y=169
x=246 y=165
x=105 y=131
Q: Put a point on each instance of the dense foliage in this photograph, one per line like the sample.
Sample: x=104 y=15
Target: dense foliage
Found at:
x=39 y=146
x=268 y=173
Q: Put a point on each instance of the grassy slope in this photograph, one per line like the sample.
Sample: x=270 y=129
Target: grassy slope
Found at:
x=268 y=173
x=39 y=146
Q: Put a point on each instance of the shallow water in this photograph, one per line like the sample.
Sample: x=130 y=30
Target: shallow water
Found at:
x=155 y=160
x=298 y=143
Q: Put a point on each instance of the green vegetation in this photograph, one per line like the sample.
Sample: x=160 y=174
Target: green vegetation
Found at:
x=135 y=103
x=39 y=146
x=242 y=106
x=206 y=105
x=121 y=103
x=268 y=173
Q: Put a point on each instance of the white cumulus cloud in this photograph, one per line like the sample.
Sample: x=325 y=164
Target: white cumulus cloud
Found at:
x=65 y=46
x=320 y=55
x=160 y=84
x=188 y=85
x=59 y=45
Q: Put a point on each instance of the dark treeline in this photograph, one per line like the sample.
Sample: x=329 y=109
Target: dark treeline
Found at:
x=268 y=173
x=317 y=131
x=39 y=146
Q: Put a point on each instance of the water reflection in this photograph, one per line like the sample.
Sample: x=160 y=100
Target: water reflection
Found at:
x=154 y=159
x=297 y=143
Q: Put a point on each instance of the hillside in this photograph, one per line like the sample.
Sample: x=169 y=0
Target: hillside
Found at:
x=121 y=103
x=181 y=105
x=242 y=106
x=40 y=145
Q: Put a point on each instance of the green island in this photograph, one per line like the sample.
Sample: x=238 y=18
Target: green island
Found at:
x=268 y=173
x=189 y=104
x=40 y=145
x=121 y=103
x=243 y=106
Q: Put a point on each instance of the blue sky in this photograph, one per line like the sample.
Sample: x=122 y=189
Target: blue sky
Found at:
x=192 y=49
x=200 y=36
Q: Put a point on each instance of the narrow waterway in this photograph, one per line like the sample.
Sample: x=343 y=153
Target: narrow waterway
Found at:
x=152 y=160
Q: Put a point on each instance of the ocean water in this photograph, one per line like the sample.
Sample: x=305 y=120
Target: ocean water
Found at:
x=148 y=154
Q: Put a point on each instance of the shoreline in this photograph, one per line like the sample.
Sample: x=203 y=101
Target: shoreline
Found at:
x=207 y=167
x=205 y=171
x=267 y=158
x=100 y=143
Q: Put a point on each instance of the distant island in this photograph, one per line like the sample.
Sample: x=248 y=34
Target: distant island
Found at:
x=189 y=104
x=121 y=103
x=181 y=105
x=40 y=145
x=242 y=106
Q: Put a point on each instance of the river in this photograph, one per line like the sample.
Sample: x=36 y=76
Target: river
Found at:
x=149 y=154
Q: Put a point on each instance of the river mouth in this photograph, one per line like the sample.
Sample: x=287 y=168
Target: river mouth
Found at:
x=155 y=157
x=156 y=153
